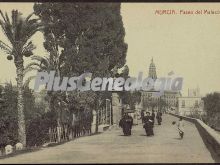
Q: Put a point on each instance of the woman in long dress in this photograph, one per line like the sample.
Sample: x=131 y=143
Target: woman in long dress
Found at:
x=159 y=118
x=148 y=125
x=126 y=124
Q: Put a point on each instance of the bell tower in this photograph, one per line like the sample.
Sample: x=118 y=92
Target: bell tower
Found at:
x=152 y=70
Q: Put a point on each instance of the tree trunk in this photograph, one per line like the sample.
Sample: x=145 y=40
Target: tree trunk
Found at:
x=20 y=103
x=51 y=102
x=97 y=121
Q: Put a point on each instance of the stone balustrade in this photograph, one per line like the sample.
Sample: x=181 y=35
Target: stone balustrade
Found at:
x=210 y=137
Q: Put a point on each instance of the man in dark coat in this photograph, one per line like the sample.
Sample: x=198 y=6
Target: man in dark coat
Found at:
x=126 y=124
x=153 y=116
x=148 y=125
x=159 y=118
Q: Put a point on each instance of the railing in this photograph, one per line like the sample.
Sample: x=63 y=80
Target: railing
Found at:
x=59 y=134
x=66 y=133
x=209 y=135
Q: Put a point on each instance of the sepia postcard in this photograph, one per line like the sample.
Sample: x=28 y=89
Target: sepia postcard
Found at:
x=109 y=82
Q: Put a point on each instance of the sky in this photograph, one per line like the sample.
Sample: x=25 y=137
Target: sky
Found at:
x=188 y=45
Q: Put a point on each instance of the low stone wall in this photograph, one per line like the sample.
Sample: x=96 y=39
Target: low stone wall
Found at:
x=209 y=135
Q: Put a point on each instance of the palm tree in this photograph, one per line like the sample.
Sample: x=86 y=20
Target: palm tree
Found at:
x=18 y=31
x=52 y=62
x=39 y=64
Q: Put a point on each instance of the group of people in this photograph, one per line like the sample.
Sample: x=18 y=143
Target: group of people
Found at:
x=147 y=120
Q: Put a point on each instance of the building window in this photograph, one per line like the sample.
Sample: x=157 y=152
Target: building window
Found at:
x=183 y=103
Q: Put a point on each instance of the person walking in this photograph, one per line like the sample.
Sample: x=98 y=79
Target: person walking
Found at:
x=180 y=127
x=159 y=118
x=148 y=124
x=153 y=116
x=126 y=124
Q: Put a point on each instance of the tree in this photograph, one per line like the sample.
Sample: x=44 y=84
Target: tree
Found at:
x=8 y=115
x=18 y=31
x=212 y=103
x=96 y=37
x=212 y=108
x=91 y=37
x=42 y=64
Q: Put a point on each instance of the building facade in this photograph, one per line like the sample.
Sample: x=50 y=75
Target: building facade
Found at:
x=152 y=100
x=192 y=104
x=170 y=99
